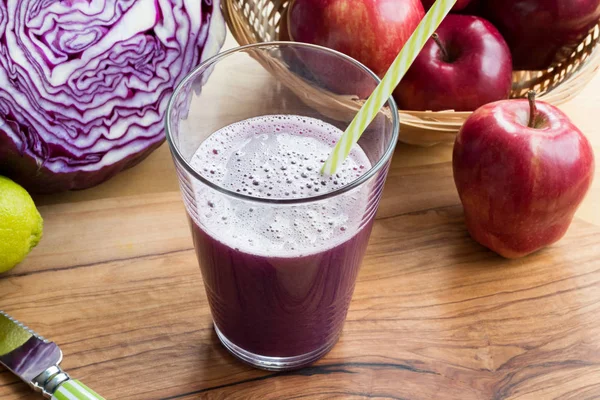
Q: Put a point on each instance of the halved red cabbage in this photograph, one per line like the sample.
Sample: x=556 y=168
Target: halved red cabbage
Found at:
x=84 y=84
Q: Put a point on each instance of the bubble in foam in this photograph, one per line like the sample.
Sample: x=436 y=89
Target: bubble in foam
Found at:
x=271 y=158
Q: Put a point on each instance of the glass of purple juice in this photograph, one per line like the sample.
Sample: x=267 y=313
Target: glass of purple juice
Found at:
x=279 y=245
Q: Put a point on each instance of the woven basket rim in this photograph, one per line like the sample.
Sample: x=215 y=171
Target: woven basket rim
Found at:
x=251 y=21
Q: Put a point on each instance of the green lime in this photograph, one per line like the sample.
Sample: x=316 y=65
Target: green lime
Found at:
x=11 y=336
x=21 y=224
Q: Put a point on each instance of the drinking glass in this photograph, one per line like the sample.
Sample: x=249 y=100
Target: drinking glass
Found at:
x=278 y=305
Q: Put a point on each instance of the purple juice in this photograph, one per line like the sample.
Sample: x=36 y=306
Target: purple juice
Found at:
x=279 y=277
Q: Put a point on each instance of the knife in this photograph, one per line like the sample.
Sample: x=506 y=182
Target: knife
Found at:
x=36 y=361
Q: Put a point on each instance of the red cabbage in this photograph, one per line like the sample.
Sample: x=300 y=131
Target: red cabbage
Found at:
x=84 y=84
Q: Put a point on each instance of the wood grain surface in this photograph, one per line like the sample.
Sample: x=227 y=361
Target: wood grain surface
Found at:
x=116 y=284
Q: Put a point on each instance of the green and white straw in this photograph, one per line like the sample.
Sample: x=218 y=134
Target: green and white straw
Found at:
x=386 y=87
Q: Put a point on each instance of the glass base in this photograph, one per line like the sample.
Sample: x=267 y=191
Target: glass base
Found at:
x=274 y=363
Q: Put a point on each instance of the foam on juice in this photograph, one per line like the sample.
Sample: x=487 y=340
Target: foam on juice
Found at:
x=278 y=157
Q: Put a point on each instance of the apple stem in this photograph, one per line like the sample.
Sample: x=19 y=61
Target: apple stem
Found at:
x=438 y=41
x=532 y=108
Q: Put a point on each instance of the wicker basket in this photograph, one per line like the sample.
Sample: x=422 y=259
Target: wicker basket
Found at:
x=253 y=21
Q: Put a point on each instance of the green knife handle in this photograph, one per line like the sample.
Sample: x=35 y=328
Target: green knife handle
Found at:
x=75 y=390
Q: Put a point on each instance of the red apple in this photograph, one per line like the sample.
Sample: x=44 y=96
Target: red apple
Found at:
x=466 y=66
x=460 y=4
x=371 y=31
x=521 y=170
x=324 y=69
x=541 y=32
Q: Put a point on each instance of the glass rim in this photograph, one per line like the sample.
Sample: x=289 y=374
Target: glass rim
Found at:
x=198 y=70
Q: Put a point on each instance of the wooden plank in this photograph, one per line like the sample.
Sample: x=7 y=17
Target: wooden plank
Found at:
x=97 y=231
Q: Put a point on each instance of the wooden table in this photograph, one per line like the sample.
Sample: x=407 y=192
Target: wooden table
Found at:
x=116 y=284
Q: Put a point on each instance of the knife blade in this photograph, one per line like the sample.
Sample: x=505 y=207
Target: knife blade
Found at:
x=36 y=361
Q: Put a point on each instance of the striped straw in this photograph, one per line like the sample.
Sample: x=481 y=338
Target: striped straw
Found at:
x=384 y=90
